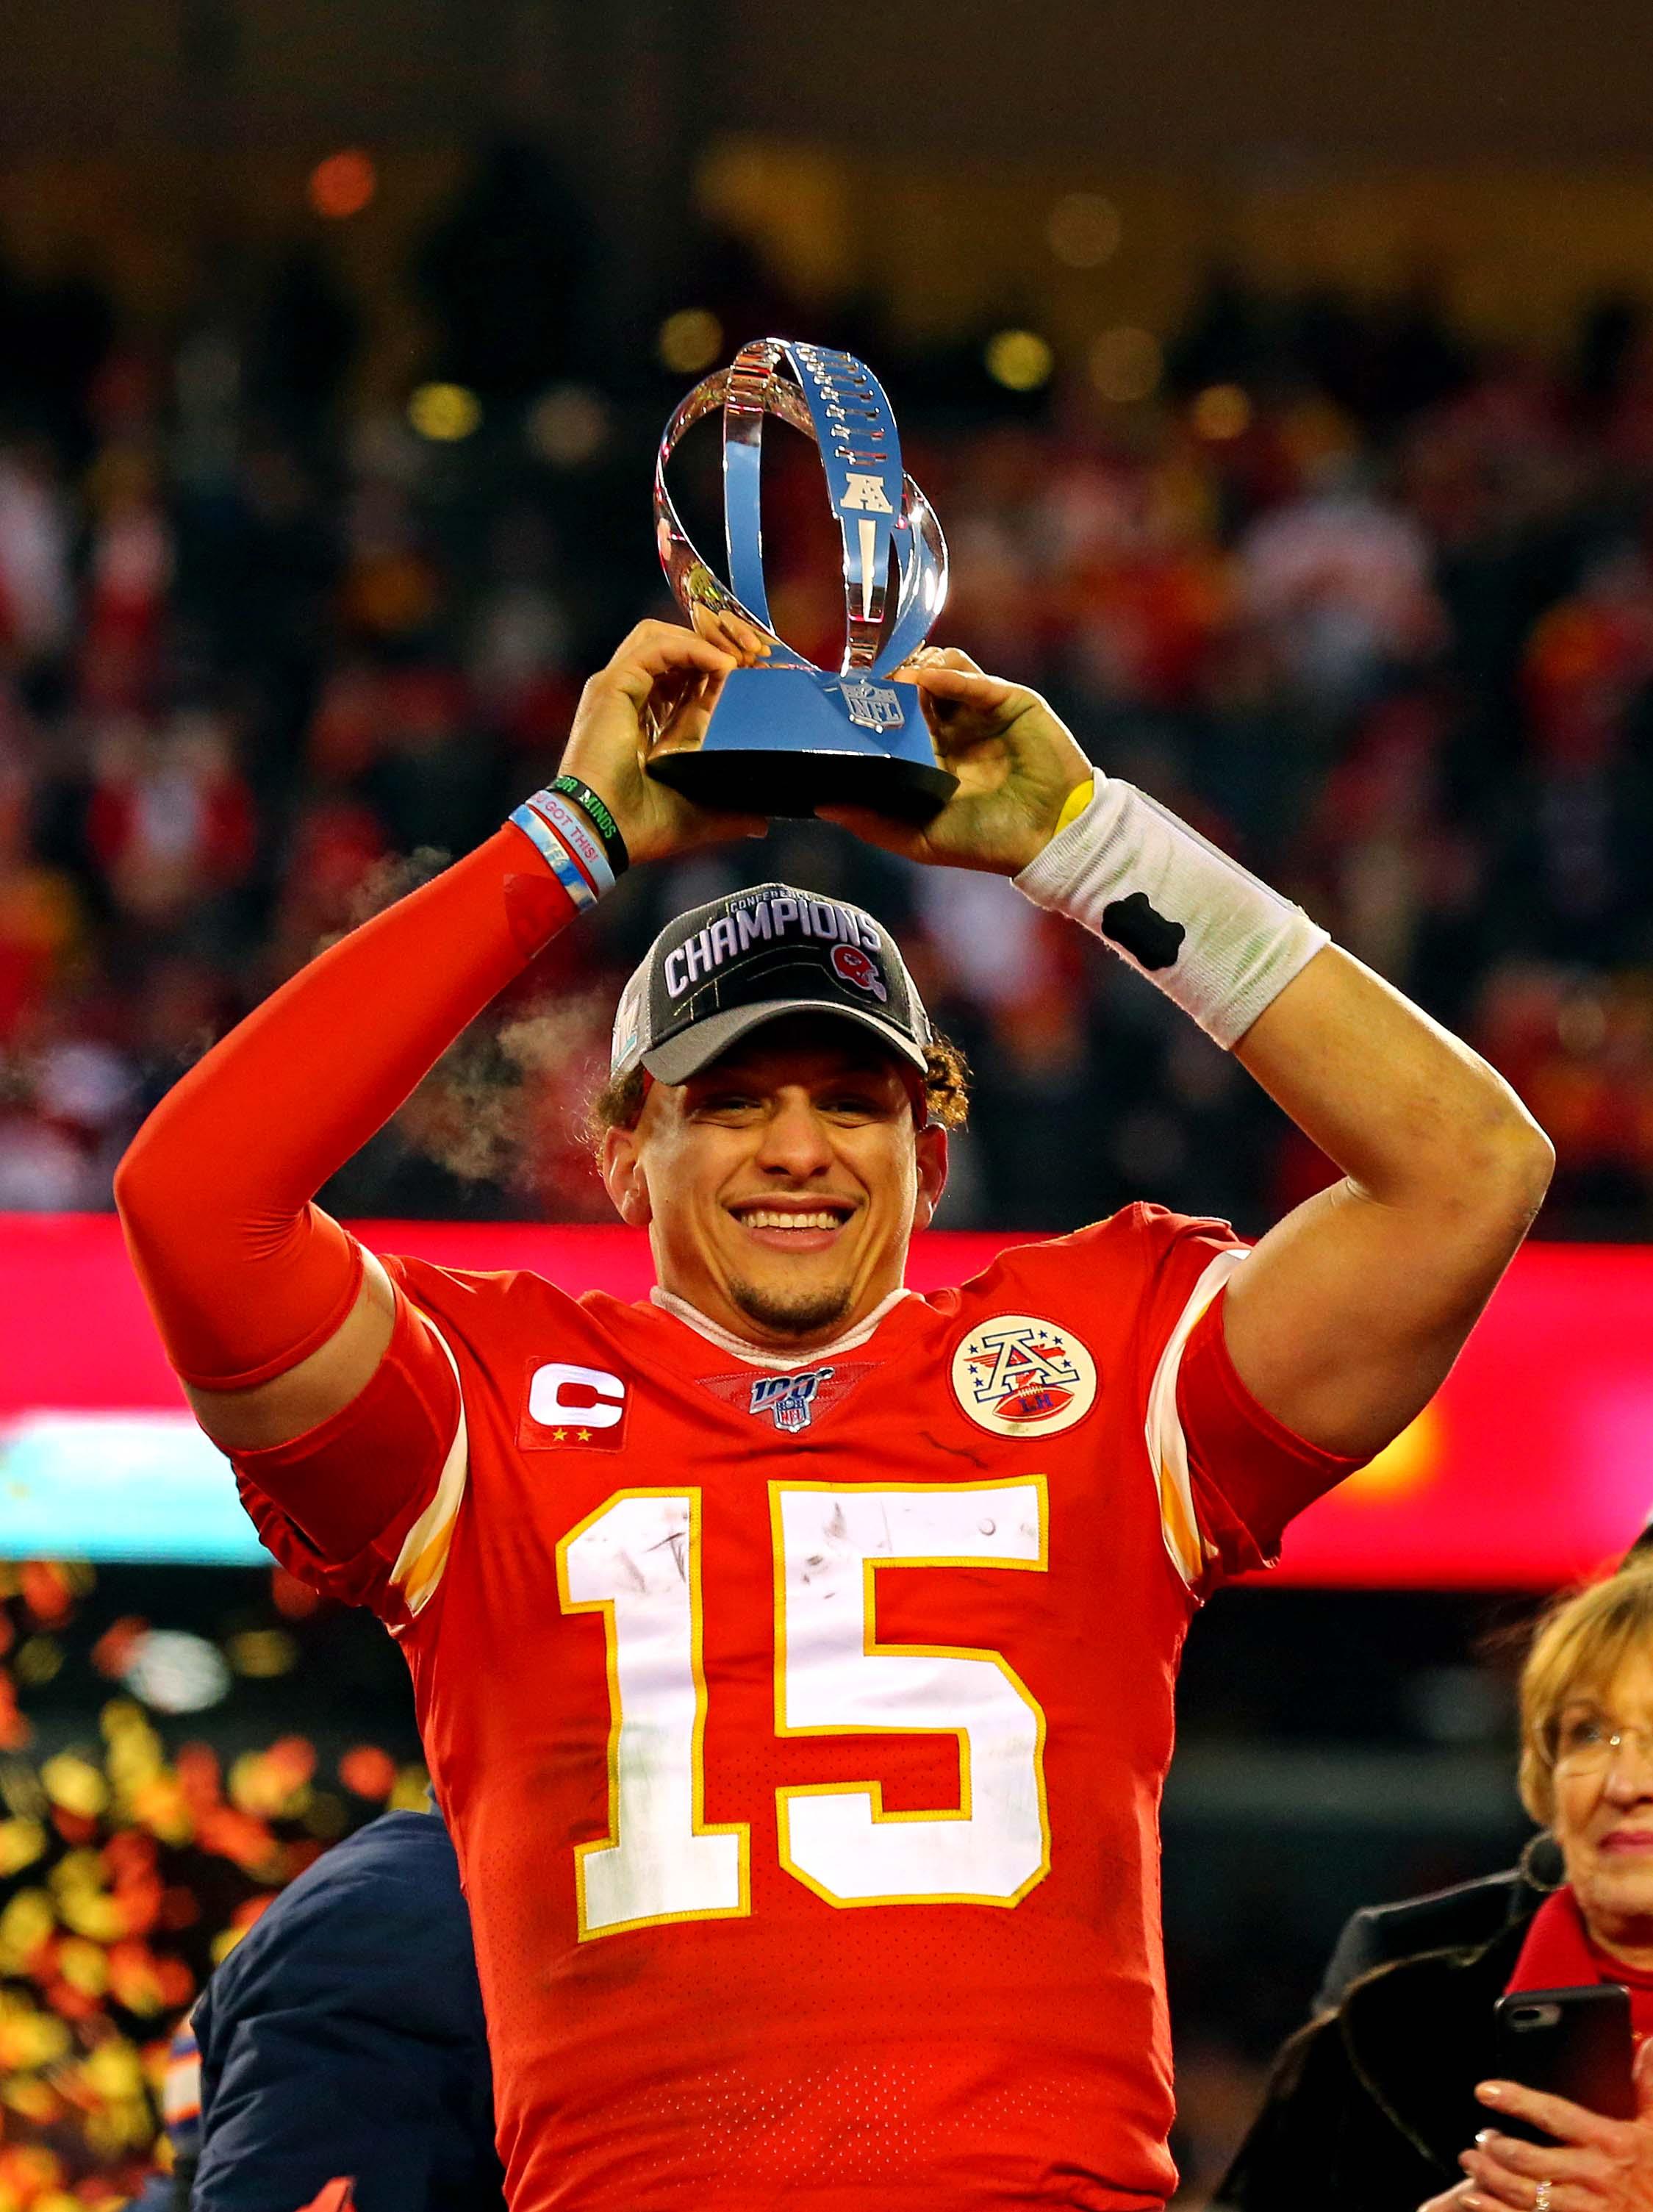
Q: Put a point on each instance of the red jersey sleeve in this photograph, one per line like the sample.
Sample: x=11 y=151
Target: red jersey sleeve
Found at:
x=362 y=1507
x=1250 y=1474
x=1230 y=1475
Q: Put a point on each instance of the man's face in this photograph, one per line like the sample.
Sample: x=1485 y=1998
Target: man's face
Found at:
x=780 y=1186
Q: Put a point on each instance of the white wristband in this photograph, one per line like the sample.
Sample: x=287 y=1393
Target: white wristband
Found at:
x=1195 y=922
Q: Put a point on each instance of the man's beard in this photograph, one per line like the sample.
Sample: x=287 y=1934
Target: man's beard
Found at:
x=797 y=1313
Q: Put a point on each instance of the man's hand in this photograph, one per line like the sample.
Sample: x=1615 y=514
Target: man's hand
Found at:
x=656 y=696
x=1016 y=764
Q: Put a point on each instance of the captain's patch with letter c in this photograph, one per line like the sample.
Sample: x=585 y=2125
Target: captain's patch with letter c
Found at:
x=569 y=1404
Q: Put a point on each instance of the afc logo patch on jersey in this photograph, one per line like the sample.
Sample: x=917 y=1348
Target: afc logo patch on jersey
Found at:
x=568 y=1404
x=1019 y=1376
x=791 y=1402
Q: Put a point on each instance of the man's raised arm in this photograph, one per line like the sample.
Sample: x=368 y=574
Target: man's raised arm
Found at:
x=274 y=1317
x=1347 y=1317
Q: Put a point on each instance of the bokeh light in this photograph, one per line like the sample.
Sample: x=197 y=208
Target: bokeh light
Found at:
x=1221 y=411
x=569 y=426
x=1126 y=364
x=175 y=1672
x=1083 y=230
x=367 y=1772
x=690 y=340
x=445 y=412
x=1019 y=359
x=263 y=1653
x=343 y=185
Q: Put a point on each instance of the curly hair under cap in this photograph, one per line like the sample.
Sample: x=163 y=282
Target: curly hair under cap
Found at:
x=946 y=1092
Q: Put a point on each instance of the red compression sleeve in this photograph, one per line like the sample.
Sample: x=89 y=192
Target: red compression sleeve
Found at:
x=245 y=1277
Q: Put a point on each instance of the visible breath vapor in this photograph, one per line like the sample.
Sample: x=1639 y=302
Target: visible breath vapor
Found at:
x=509 y=1095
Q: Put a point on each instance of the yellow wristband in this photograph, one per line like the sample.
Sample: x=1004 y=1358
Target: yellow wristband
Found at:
x=1075 y=804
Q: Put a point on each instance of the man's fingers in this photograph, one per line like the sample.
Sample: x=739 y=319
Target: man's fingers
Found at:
x=733 y=634
x=717 y=827
x=872 y=828
x=937 y=656
x=656 y=648
x=964 y=687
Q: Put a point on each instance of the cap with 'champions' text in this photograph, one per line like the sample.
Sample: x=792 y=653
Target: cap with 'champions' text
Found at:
x=724 y=969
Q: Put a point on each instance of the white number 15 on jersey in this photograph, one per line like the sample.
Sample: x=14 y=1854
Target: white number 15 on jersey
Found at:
x=636 y=1560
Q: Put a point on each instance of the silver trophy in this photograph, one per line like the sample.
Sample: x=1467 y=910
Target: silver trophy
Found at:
x=787 y=737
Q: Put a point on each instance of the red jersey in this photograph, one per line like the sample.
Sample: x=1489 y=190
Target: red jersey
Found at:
x=801 y=1728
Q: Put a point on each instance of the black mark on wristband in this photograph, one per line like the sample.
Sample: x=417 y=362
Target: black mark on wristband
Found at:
x=1140 y=930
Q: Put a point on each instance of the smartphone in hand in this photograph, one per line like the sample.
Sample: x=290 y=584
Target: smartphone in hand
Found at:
x=1573 y=2043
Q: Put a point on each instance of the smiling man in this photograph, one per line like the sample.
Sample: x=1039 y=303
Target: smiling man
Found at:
x=793 y=1654
x=794 y=1156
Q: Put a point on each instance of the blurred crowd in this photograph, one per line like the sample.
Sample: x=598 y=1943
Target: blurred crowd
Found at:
x=137 y=1847
x=1369 y=603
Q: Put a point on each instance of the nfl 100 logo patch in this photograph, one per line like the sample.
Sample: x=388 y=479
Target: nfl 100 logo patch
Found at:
x=789 y=1399
x=790 y=1402
x=1017 y=1376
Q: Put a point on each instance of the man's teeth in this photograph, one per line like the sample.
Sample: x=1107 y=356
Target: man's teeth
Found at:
x=767 y=1218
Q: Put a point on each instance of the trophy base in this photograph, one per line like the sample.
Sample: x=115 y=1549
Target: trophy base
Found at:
x=786 y=741
x=796 y=785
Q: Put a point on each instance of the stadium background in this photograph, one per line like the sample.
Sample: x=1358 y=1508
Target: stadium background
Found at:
x=1284 y=380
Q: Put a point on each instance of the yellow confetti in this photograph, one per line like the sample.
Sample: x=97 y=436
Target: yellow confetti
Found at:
x=115 y=2070
x=160 y=1805
x=84 y=1965
x=22 y=1842
x=28 y=2037
x=34 y=2099
x=75 y=1784
x=100 y=1918
x=411 y=1793
x=76 y=1872
x=224 y=1943
x=27 y=1919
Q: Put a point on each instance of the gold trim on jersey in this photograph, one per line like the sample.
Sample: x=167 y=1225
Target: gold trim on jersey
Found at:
x=422 y=1559
x=873 y=1790
x=1168 y=1448
x=699 y=1825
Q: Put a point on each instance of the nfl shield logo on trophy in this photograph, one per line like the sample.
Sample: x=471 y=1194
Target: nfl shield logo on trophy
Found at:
x=873 y=705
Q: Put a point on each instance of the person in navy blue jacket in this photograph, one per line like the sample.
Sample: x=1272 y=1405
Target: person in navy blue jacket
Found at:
x=343 y=2035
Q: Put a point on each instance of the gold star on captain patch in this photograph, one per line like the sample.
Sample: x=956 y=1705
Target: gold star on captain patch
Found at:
x=559 y=1435
x=584 y=1436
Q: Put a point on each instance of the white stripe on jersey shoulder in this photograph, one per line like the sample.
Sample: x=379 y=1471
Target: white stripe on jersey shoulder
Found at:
x=1168 y=1448
x=423 y=1556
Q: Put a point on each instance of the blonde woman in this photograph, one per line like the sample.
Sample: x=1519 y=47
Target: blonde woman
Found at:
x=1392 y=2098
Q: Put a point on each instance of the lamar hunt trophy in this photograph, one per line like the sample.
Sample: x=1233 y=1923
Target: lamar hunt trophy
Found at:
x=787 y=736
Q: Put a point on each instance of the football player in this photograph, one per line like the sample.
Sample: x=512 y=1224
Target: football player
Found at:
x=794 y=1654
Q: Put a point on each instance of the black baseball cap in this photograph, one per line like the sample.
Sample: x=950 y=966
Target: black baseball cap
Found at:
x=726 y=968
